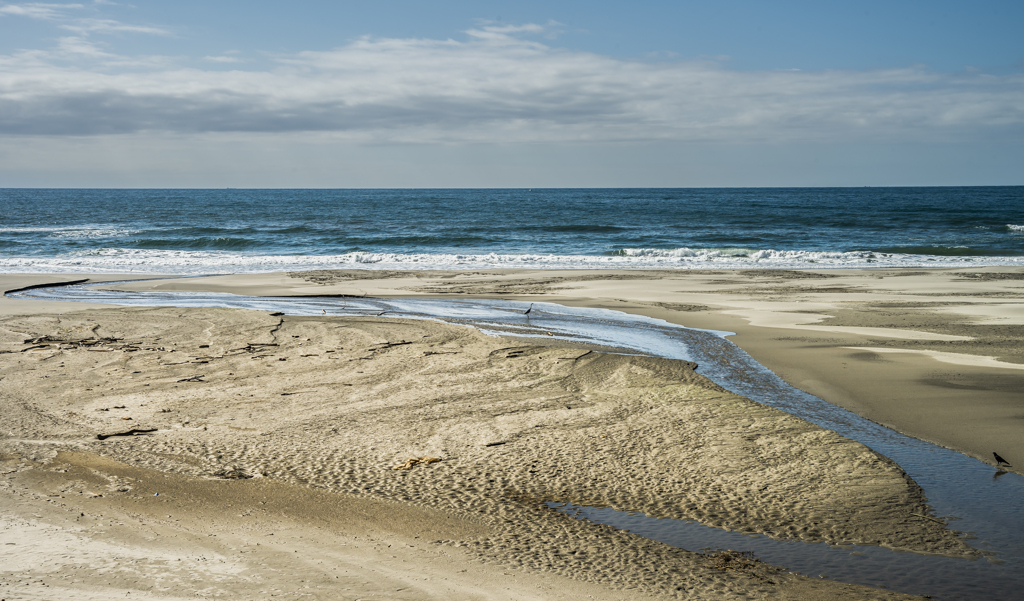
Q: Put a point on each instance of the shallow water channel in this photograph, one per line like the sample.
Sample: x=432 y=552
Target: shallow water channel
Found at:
x=986 y=504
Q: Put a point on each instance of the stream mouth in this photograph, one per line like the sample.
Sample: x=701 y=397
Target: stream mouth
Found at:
x=978 y=500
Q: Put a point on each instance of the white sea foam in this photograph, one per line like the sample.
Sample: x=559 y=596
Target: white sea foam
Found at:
x=92 y=233
x=16 y=230
x=114 y=260
x=72 y=232
x=1015 y=228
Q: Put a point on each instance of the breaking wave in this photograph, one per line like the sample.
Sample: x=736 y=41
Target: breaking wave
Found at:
x=119 y=260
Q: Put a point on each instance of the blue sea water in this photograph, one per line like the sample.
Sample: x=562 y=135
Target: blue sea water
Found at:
x=232 y=231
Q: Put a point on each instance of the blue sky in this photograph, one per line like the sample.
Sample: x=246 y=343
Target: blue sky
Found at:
x=532 y=94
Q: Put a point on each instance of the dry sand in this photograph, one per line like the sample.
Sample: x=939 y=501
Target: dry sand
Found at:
x=935 y=354
x=272 y=472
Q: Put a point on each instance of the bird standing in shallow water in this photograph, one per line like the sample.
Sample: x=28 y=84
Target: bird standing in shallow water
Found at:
x=527 y=312
x=999 y=460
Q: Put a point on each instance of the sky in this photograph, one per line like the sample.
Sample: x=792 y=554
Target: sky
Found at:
x=331 y=94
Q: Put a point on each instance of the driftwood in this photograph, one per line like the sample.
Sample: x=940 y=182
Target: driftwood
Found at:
x=234 y=473
x=251 y=348
x=578 y=357
x=198 y=378
x=132 y=432
x=743 y=562
x=90 y=341
x=510 y=349
x=101 y=345
x=388 y=345
x=416 y=461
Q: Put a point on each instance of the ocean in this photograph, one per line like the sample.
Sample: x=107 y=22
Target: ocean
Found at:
x=243 y=230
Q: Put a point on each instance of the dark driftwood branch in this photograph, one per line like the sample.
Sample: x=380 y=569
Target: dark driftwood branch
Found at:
x=47 y=285
x=388 y=345
x=131 y=432
x=579 y=357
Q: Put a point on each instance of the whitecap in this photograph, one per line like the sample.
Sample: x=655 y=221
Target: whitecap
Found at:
x=129 y=260
x=18 y=230
x=92 y=233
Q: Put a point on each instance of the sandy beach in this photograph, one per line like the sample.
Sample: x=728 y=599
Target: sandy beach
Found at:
x=263 y=462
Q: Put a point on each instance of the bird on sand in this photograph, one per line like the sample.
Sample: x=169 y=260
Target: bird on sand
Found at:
x=382 y=312
x=527 y=312
x=1000 y=460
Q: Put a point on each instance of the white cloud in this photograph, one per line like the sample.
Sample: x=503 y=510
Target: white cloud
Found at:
x=73 y=50
x=495 y=33
x=37 y=10
x=80 y=47
x=65 y=15
x=110 y=26
x=223 y=59
x=503 y=31
x=496 y=86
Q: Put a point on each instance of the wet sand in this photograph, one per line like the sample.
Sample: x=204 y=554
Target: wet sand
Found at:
x=271 y=467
